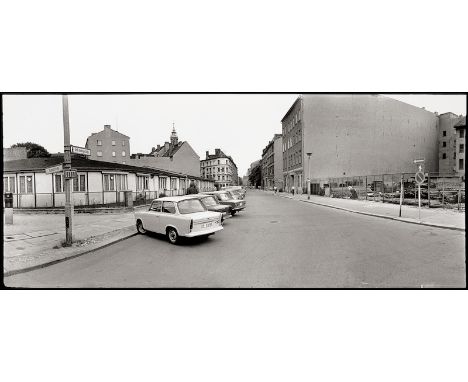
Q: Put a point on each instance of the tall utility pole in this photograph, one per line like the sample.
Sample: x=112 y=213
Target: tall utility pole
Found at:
x=67 y=167
x=308 y=175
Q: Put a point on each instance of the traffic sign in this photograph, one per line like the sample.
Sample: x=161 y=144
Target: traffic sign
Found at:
x=53 y=169
x=69 y=174
x=80 y=150
x=420 y=177
x=418 y=161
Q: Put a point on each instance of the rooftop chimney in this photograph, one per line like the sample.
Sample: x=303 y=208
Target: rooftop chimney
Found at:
x=107 y=126
x=207 y=154
x=217 y=151
x=159 y=146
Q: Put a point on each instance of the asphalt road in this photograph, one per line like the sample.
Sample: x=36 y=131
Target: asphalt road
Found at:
x=274 y=243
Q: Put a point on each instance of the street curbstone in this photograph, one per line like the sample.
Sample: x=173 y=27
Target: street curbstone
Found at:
x=404 y=220
x=75 y=255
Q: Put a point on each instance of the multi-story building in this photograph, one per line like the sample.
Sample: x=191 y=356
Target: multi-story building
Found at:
x=220 y=168
x=109 y=146
x=272 y=163
x=460 y=129
x=353 y=135
x=448 y=163
x=174 y=155
x=249 y=170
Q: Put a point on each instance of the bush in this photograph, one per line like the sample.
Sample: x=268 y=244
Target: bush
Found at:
x=280 y=190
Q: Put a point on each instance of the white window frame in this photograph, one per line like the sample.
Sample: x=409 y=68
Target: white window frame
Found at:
x=99 y=153
x=142 y=183
x=113 y=143
x=123 y=153
x=99 y=142
x=79 y=183
x=11 y=180
x=113 y=154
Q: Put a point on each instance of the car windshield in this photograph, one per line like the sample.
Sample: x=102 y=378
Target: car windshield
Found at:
x=190 y=206
x=233 y=195
x=224 y=196
x=210 y=201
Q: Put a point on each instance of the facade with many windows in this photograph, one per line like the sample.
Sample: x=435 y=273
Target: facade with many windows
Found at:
x=97 y=183
x=448 y=161
x=109 y=146
x=272 y=164
x=219 y=168
x=460 y=164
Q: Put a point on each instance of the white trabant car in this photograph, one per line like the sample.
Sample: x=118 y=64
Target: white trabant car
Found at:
x=178 y=216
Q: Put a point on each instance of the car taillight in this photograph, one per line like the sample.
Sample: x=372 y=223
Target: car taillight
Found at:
x=191 y=224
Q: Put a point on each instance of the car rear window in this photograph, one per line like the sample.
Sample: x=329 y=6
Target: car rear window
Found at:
x=190 y=206
x=224 y=196
x=210 y=201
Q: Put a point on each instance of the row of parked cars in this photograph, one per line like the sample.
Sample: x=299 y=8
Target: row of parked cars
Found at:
x=191 y=215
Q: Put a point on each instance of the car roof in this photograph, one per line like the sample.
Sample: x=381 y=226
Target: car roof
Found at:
x=174 y=198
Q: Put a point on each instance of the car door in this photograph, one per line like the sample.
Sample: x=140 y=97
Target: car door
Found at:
x=167 y=216
x=154 y=216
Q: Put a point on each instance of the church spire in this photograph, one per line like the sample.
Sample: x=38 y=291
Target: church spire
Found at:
x=174 y=138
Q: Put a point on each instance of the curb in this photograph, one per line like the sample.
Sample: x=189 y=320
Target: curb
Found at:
x=404 y=220
x=47 y=264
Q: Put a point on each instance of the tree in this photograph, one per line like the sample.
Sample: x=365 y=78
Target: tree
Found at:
x=255 y=177
x=33 y=150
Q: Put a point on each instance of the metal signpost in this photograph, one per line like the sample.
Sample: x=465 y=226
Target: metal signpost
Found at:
x=67 y=168
x=419 y=178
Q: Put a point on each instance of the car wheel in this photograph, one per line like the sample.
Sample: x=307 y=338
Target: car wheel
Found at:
x=139 y=227
x=172 y=235
x=233 y=213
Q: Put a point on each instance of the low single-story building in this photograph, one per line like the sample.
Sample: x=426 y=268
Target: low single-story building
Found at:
x=97 y=183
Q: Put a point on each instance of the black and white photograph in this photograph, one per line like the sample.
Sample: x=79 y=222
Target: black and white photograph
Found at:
x=250 y=191
x=234 y=190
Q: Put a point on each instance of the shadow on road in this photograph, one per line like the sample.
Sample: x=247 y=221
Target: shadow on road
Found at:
x=182 y=242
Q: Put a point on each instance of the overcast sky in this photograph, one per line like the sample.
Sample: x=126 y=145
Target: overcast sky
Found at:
x=240 y=125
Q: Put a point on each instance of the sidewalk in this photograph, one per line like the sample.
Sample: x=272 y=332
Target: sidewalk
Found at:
x=434 y=217
x=35 y=240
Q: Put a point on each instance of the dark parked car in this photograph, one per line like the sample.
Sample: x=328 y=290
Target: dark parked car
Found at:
x=211 y=203
x=226 y=198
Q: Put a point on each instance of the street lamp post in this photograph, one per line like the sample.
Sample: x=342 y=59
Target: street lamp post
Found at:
x=67 y=166
x=308 y=175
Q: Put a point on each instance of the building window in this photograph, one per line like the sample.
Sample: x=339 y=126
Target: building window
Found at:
x=123 y=143
x=444 y=133
x=462 y=148
x=219 y=161
x=444 y=156
x=142 y=183
x=9 y=184
x=454 y=155
x=113 y=153
x=444 y=144
x=460 y=164
x=113 y=143
x=99 y=142
x=58 y=183
x=79 y=183
x=162 y=183
x=123 y=153
x=462 y=133
x=99 y=153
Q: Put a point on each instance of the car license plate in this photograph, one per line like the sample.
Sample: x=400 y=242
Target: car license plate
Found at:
x=206 y=225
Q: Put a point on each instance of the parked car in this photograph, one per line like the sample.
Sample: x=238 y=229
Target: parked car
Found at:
x=237 y=191
x=178 y=216
x=226 y=198
x=211 y=203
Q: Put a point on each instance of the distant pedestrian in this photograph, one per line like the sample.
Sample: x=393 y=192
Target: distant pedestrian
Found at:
x=275 y=189
x=292 y=190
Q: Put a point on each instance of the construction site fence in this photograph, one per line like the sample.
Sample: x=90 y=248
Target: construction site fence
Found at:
x=437 y=190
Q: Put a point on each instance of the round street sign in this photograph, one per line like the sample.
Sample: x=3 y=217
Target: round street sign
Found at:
x=420 y=177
